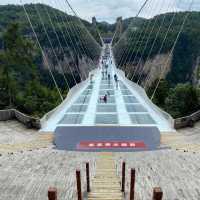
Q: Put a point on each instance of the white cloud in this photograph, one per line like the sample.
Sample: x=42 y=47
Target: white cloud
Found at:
x=109 y=10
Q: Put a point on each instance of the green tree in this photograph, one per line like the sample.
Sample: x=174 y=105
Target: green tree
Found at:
x=161 y=92
x=16 y=61
x=37 y=99
x=182 y=100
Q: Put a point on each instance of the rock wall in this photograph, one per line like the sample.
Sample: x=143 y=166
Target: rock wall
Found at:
x=157 y=67
x=147 y=72
x=69 y=63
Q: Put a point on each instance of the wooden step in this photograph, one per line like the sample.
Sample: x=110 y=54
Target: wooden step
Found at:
x=105 y=184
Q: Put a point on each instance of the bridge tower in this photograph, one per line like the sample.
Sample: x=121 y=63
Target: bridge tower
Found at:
x=119 y=26
x=94 y=21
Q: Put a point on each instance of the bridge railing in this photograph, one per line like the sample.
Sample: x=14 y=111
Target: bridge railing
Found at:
x=142 y=93
x=60 y=108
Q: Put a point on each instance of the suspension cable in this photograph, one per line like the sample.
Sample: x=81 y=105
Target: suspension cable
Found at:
x=140 y=10
x=142 y=36
x=73 y=43
x=154 y=42
x=65 y=40
x=138 y=37
x=78 y=31
x=81 y=47
x=75 y=13
x=42 y=51
x=172 y=50
x=163 y=42
x=133 y=38
x=147 y=42
x=51 y=45
x=58 y=39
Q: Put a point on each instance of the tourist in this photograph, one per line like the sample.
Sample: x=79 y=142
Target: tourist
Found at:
x=115 y=77
x=102 y=74
x=109 y=79
x=105 y=98
x=91 y=78
x=116 y=80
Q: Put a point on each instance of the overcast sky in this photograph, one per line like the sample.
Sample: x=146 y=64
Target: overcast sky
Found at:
x=109 y=10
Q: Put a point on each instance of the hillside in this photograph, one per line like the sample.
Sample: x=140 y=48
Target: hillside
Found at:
x=77 y=53
x=80 y=54
x=186 y=51
x=147 y=60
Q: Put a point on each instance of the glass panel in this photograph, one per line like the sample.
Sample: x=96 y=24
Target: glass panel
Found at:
x=105 y=82
x=122 y=86
x=106 y=86
x=83 y=100
x=87 y=92
x=106 y=119
x=89 y=87
x=103 y=92
x=77 y=108
x=135 y=108
x=71 y=119
x=110 y=99
x=142 y=119
x=126 y=92
x=130 y=99
x=106 y=108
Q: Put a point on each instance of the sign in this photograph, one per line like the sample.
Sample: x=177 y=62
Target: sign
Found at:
x=111 y=145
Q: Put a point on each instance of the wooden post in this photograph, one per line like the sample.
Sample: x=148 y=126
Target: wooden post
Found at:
x=123 y=176
x=88 y=176
x=52 y=193
x=78 y=181
x=157 y=193
x=132 y=186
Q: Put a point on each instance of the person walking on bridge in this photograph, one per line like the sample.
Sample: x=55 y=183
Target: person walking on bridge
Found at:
x=116 y=80
x=109 y=79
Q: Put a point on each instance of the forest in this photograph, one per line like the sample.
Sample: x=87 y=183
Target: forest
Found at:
x=26 y=84
x=178 y=93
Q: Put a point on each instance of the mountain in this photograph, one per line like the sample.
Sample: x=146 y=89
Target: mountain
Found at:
x=25 y=81
x=170 y=78
x=78 y=46
x=107 y=30
x=183 y=64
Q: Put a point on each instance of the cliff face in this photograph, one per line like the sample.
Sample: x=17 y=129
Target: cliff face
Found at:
x=183 y=66
x=196 y=72
x=155 y=68
x=70 y=64
x=161 y=66
x=147 y=72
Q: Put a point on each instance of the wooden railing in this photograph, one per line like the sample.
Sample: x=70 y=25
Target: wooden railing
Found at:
x=157 y=193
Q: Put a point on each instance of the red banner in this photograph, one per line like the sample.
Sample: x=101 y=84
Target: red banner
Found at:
x=111 y=145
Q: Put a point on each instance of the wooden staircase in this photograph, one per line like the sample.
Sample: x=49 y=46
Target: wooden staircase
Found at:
x=106 y=183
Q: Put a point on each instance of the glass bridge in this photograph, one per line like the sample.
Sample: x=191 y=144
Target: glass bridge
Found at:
x=107 y=108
